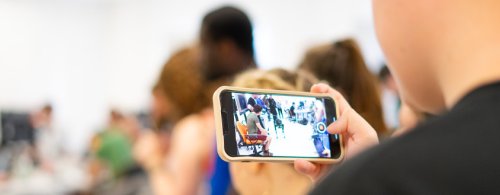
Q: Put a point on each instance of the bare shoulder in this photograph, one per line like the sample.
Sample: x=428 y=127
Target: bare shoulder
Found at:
x=198 y=126
x=194 y=122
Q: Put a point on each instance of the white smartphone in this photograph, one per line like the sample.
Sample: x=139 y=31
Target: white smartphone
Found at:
x=273 y=125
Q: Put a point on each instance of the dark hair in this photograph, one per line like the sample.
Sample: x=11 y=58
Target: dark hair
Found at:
x=343 y=67
x=257 y=108
x=229 y=23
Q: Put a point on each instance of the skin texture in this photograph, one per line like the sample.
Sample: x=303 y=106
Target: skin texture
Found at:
x=430 y=46
x=187 y=160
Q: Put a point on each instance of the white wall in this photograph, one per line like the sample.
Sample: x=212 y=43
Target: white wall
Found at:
x=88 y=55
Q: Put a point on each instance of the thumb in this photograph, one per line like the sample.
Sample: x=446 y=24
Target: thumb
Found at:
x=340 y=125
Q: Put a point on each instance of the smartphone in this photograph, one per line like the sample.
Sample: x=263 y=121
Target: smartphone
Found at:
x=273 y=125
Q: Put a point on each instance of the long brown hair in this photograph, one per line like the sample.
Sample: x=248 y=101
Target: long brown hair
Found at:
x=343 y=67
x=181 y=81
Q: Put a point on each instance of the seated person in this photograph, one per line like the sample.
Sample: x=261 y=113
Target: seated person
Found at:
x=254 y=128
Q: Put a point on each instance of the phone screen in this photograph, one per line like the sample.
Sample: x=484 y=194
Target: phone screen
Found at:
x=277 y=125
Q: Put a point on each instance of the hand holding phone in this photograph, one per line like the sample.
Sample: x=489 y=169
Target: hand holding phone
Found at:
x=273 y=125
x=358 y=135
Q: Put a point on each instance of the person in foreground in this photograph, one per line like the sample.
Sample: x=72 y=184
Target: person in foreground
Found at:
x=445 y=56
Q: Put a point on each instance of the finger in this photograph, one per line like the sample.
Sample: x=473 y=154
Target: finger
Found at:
x=306 y=168
x=319 y=88
x=351 y=123
x=340 y=125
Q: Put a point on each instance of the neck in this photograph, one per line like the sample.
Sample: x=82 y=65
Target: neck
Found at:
x=470 y=54
x=478 y=70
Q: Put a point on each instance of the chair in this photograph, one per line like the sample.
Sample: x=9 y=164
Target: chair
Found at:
x=248 y=140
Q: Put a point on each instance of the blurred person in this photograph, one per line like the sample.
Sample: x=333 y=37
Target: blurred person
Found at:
x=112 y=166
x=437 y=72
x=387 y=79
x=160 y=108
x=33 y=158
x=271 y=178
x=153 y=144
x=227 y=43
x=48 y=143
x=176 y=94
x=193 y=166
x=227 y=49
x=408 y=119
x=170 y=103
x=34 y=133
x=390 y=98
x=341 y=64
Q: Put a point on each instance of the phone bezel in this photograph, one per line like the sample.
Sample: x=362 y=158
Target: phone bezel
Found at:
x=227 y=143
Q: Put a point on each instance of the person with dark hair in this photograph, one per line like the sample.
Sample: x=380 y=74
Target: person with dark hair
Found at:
x=226 y=49
x=255 y=128
x=227 y=43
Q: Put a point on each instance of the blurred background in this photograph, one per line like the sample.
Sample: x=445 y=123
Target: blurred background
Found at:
x=81 y=58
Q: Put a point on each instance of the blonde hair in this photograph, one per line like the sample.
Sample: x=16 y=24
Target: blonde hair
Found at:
x=279 y=79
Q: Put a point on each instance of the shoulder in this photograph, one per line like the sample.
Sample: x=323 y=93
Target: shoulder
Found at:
x=187 y=123
x=372 y=172
x=420 y=161
x=198 y=127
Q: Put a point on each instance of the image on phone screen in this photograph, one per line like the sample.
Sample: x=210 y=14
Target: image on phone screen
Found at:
x=277 y=125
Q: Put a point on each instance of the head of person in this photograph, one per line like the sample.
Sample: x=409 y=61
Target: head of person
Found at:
x=226 y=43
x=341 y=64
x=257 y=109
x=271 y=178
x=43 y=117
x=179 y=89
x=431 y=45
